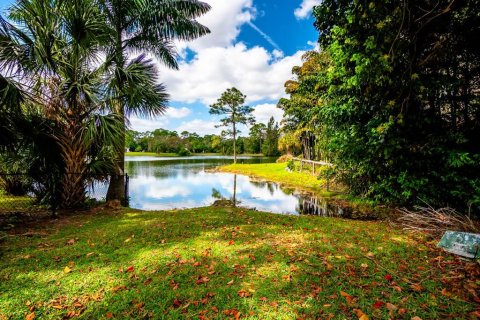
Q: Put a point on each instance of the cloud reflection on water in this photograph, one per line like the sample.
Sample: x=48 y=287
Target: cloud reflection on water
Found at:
x=184 y=183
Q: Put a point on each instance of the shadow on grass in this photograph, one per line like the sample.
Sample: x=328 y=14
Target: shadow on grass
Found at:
x=217 y=262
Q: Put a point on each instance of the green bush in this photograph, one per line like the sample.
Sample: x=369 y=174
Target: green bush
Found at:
x=184 y=152
x=291 y=165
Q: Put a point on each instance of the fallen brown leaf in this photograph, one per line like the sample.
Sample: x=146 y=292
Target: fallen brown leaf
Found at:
x=202 y=279
x=416 y=287
x=391 y=307
x=30 y=316
x=244 y=294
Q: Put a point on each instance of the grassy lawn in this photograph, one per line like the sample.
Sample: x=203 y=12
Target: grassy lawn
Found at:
x=12 y=203
x=277 y=172
x=219 y=263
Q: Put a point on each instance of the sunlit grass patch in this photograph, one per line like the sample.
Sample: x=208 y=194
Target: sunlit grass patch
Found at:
x=223 y=263
x=9 y=203
x=278 y=172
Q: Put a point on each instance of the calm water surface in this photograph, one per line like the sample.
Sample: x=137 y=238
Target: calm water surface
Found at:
x=159 y=183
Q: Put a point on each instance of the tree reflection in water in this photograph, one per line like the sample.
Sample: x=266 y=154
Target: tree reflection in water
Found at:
x=216 y=194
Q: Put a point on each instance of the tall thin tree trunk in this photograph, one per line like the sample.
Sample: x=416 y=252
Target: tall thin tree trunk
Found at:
x=234 y=144
x=234 y=190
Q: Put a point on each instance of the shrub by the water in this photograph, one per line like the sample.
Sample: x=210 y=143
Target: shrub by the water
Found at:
x=184 y=153
x=285 y=158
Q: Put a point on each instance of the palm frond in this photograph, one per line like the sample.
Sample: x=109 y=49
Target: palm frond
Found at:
x=173 y=19
x=102 y=162
x=159 y=23
x=16 y=49
x=39 y=25
x=164 y=50
x=141 y=94
x=104 y=130
x=12 y=95
x=85 y=25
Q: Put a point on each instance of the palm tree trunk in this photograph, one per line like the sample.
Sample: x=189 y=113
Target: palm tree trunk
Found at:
x=73 y=193
x=116 y=189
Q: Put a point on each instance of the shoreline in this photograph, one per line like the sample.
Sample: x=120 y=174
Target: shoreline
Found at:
x=307 y=183
x=174 y=155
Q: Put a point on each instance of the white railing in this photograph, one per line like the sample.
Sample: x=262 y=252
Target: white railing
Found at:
x=313 y=163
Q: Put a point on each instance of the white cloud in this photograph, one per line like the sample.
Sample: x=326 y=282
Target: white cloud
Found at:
x=314 y=44
x=200 y=127
x=149 y=124
x=305 y=8
x=220 y=62
x=170 y=192
x=177 y=113
x=278 y=54
x=263 y=113
x=224 y=21
x=143 y=125
x=256 y=72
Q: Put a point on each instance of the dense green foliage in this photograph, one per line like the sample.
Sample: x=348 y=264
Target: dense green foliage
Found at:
x=166 y=141
x=397 y=106
x=272 y=134
x=256 y=138
x=302 y=127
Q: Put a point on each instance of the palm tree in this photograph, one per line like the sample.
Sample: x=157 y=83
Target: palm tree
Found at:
x=54 y=51
x=144 y=27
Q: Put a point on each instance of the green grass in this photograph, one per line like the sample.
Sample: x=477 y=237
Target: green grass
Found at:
x=277 y=172
x=13 y=203
x=217 y=262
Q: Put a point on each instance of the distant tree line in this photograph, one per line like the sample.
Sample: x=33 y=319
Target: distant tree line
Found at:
x=392 y=98
x=263 y=139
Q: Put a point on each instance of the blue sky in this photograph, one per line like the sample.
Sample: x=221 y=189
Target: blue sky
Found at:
x=253 y=46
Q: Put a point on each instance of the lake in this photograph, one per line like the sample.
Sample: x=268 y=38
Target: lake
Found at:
x=162 y=183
